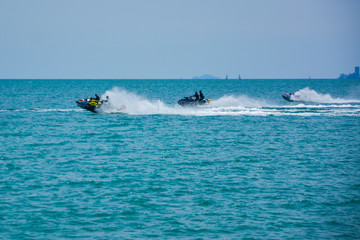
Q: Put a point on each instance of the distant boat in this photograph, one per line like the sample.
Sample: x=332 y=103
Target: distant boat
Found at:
x=226 y=78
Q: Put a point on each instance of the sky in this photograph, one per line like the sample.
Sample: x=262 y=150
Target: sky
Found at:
x=161 y=39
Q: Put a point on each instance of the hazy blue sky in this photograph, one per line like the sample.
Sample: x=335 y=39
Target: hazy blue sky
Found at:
x=178 y=38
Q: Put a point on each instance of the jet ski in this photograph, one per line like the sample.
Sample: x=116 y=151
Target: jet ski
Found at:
x=291 y=97
x=287 y=97
x=90 y=104
x=189 y=101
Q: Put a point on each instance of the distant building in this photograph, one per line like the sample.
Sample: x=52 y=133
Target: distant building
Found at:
x=354 y=75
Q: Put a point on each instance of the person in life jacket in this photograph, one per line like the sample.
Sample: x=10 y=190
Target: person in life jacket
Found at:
x=201 y=96
x=196 y=96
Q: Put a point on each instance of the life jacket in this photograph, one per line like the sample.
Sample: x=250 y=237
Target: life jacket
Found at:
x=94 y=103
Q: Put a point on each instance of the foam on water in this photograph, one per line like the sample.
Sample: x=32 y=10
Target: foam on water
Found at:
x=228 y=105
x=309 y=95
x=121 y=100
x=238 y=101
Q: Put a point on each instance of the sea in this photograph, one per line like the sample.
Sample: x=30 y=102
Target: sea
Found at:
x=249 y=165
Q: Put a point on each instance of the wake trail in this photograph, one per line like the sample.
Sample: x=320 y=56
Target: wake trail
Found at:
x=228 y=105
x=311 y=96
x=123 y=101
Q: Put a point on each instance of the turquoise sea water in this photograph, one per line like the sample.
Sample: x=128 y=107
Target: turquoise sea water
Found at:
x=249 y=165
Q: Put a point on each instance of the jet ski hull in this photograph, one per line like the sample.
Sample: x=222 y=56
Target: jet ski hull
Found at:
x=287 y=97
x=87 y=106
x=191 y=102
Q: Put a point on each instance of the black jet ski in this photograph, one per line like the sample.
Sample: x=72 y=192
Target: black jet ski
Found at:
x=90 y=104
x=287 y=97
x=189 y=101
x=291 y=97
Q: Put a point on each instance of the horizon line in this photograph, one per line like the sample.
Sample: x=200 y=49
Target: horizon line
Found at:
x=171 y=79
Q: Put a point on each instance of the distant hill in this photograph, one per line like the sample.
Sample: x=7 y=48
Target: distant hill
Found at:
x=206 y=76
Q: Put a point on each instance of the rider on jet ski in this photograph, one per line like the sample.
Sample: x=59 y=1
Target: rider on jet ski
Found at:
x=201 y=96
x=196 y=96
x=189 y=101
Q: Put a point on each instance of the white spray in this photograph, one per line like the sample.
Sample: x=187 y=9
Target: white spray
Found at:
x=228 y=105
x=309 y=95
